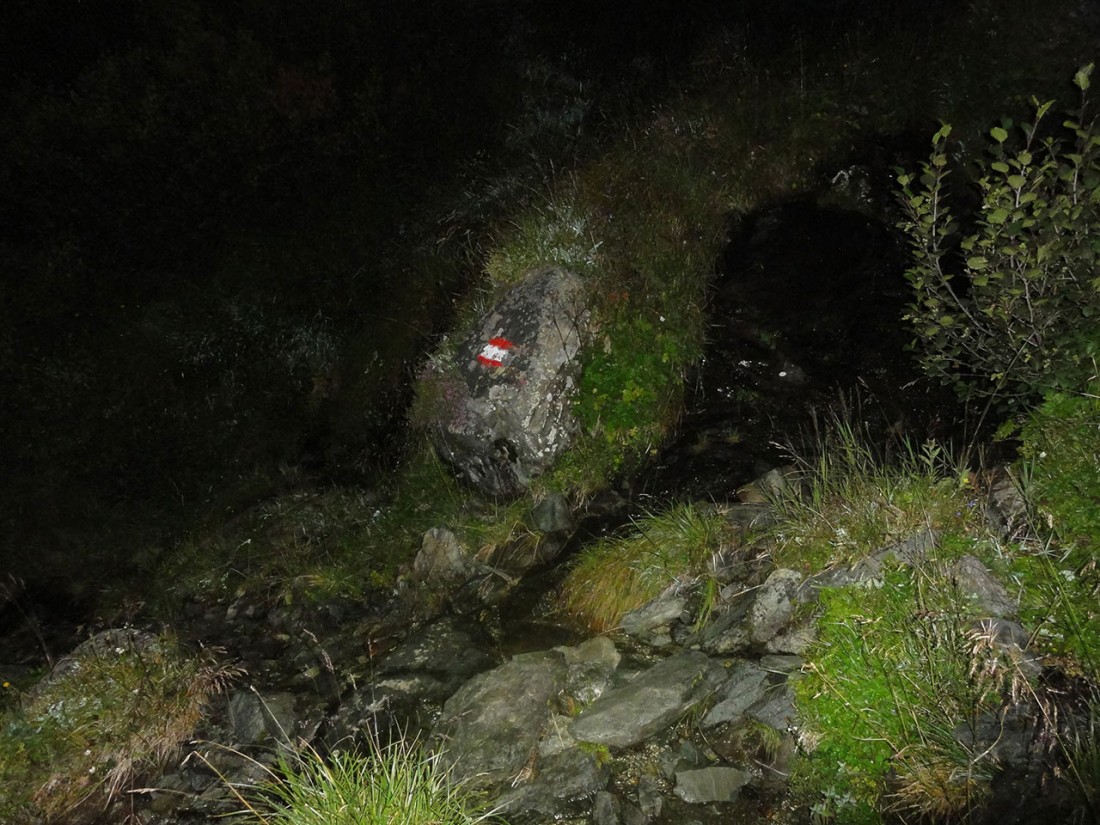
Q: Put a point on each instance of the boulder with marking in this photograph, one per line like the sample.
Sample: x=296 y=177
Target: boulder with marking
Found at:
x=498 y=405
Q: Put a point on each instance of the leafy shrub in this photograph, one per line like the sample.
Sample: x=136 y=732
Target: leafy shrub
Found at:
x=1008 y=310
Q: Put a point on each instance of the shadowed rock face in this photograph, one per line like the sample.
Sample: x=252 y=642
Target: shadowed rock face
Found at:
x=509 y=387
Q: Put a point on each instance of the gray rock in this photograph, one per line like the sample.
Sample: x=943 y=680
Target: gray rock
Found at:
x=650 y=799
x=774 y=605
x=729 y=631
x=606 y=809
x=973 y=579
x=1005 y=507
x=552 y=514
x=450 y=648
x=870 y=571
x=651 y=701
x=795 y=639
x=591 y=665
x=559 y=786
x=744 y=688
x=257 y=718
x=781 y=664
x=715 y=784
x=442 y=559
x=658 y=612
x=490 y=727
x=776 y=709
x=411 y=681
x=504 y=408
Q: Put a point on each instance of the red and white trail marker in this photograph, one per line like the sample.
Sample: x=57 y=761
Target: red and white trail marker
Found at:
x=494 y=352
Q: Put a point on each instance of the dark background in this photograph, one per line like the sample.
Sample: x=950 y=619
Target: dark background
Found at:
x=229 y=230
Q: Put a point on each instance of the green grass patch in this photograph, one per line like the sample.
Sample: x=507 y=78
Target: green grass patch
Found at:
x=894 y=673
x=314 y=545
x=1058 y=573
x=856 y=498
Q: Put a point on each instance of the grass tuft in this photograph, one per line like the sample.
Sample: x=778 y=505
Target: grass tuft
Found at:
x=666 y=550
x=857 y=499
x=395 y=784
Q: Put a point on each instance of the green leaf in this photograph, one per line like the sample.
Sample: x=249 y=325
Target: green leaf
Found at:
x=1016 y=181
x=998 y=134
x=1081 y=79
x=977 y=262
x=999 y=166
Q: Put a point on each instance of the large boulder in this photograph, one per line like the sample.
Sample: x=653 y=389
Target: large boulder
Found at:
x=499 y=406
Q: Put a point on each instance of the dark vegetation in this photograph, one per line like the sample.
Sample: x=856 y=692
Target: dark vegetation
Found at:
x=220 y=232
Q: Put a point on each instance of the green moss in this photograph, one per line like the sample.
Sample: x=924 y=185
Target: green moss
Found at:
x=1059 y=576
x=894 y=672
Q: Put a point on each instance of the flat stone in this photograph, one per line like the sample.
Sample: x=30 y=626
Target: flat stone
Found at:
x=556 y=786
x=744 y=689
x=658 y=612
x=490 y=727
x=975 y=581
x=650 y=702
x=716 y=784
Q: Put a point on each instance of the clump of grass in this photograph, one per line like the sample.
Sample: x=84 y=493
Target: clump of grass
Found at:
x=312 y=545
x=559 y=231
x=614 y=576
x=395 y=784
x=117 y=709
x=857 y=499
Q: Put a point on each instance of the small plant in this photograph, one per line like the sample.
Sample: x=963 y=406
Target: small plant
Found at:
x=114 y=711
x=1014 y=313
x=395 y=784
x=855 y=501
x=666 y=550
